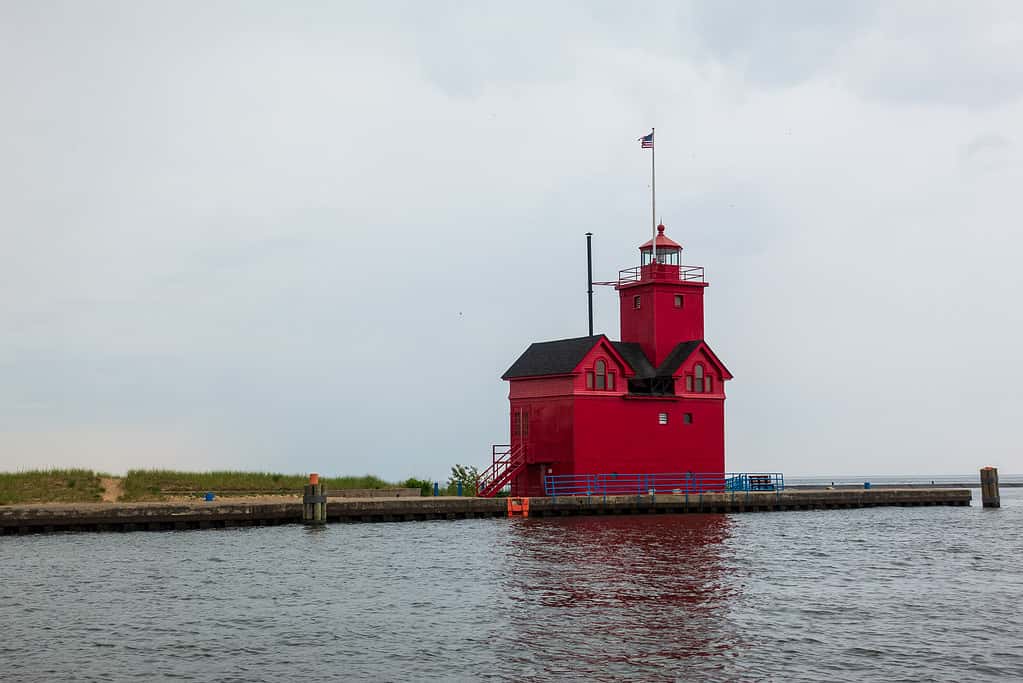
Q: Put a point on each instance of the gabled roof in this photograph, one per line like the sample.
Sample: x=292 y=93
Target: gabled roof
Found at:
x=552 y=358
x=562 y=356
x=680 y=353
x=677 y=357
x=634 y=356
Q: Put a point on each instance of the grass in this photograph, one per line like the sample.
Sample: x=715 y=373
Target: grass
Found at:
x=158 y=484
x=49 y=486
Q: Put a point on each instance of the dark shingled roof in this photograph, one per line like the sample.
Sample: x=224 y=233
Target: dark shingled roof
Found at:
x=551 y=358
x=677 y=356
x=562 y=356
x=634 y=356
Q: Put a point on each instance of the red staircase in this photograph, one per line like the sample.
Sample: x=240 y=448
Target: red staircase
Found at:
x=507 y=462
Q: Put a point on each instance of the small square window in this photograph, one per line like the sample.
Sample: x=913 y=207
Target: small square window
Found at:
x=636 y=301
x=687 y=418
x=678 y=301
x=662 y=418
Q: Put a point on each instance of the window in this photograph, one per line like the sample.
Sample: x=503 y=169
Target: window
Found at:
x=687 y=418
x=707 y=384
x=698 y=378
x=600 y=377
x=662 y=418
x=520 y=423
x=689 y=382
x=678 y=301
x=636 y=301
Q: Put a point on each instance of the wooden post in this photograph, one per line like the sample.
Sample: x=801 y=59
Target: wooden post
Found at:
x=989 y=487
x=314 y=501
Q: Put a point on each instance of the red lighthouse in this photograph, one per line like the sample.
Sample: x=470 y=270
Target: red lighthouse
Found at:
x=590 y=412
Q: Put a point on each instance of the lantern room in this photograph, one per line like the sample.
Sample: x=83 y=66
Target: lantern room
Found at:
x=668 y=251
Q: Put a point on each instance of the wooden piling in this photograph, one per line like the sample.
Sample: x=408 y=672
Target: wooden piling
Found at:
x=314 y=501
x=989 y=487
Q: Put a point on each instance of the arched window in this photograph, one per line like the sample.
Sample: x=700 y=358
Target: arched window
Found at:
x=698 y=378
x=600 y=369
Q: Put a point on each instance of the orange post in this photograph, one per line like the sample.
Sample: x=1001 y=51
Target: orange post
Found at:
x=518 y=507
x=314 y=501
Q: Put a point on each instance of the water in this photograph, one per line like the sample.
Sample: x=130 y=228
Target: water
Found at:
x=912 y=479
x=849 y=595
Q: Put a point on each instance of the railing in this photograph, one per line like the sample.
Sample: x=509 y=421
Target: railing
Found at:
x=662 y=483
x=660 y=271
x=755 y=481
x=505 y=464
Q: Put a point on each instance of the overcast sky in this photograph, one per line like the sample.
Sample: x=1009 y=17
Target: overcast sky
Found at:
x=311 y=236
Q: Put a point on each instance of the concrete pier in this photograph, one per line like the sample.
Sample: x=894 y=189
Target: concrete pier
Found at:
x=20 y=519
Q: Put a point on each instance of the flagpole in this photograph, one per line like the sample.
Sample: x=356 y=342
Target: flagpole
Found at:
x=653 y=198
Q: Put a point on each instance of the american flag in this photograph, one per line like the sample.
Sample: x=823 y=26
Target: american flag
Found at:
x=647 y=141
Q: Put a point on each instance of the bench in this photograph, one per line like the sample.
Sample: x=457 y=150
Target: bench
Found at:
x=761 y=482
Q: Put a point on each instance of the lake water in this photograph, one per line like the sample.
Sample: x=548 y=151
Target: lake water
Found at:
x=846 y=595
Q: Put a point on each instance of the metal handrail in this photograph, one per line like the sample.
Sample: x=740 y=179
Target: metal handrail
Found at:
x=660 y=271
x=504 y=460
x=660 y=483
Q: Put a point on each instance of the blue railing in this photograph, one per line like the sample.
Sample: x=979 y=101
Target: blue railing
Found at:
x=755 y=481
x=663 y=483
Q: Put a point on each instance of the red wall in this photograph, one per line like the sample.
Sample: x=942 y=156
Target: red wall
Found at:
x=540 y=386
x=657 y=325
x=623 y=435
x=548 y=441
x=549 y=436
x=603 y=434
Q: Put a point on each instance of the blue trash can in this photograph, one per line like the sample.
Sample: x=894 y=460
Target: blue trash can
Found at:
x=866 y=484
x=209 y=496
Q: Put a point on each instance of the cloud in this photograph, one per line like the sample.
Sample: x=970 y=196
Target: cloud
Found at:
x=987 y=152
x=312 y=237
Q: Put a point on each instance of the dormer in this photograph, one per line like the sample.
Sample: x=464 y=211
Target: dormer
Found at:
x=699 y=372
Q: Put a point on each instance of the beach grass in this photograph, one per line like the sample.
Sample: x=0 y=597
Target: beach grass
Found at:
x=141 y=485
x=49 y=486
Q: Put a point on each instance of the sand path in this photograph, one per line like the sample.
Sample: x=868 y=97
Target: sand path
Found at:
x=113 y=488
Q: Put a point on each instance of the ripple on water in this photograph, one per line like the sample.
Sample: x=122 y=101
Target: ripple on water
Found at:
x=882 y=594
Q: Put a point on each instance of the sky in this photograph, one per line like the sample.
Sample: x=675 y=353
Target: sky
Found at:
x=311 y=236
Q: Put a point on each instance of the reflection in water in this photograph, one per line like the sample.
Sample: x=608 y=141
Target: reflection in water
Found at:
x=660 y=584
x=836 y=595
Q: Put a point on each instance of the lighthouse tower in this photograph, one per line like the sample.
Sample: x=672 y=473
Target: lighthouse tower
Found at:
x=661 y=300
x=592 y=412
